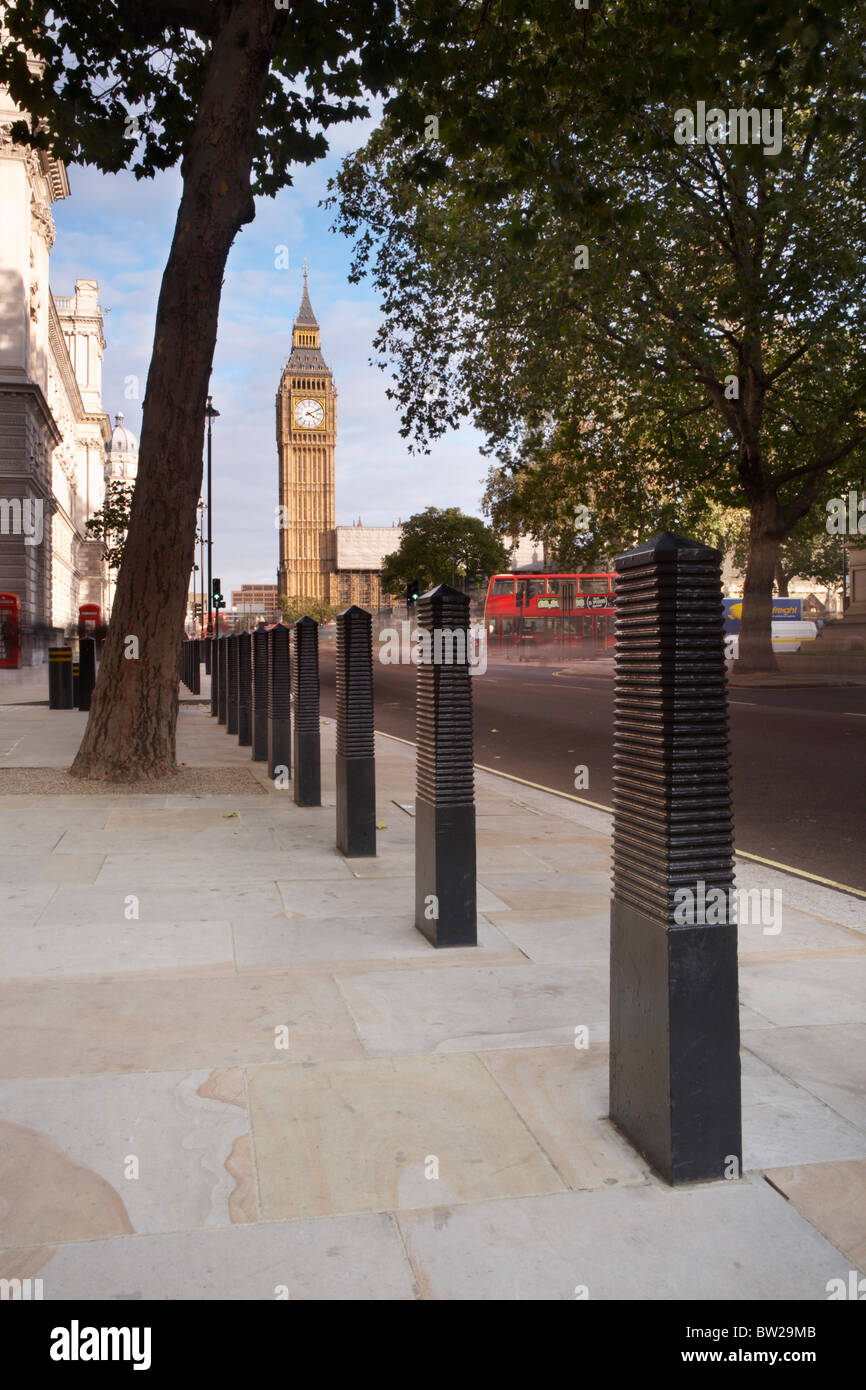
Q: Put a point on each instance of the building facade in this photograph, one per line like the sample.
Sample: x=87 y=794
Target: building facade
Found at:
x=360 y=553
x=53 y=430
x=257 y=600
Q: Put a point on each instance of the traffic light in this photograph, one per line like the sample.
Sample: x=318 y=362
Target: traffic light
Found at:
x=216 y=594
x=413 y=590
x=519 y=597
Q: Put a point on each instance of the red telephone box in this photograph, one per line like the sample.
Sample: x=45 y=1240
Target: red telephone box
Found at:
x=89 y=617
x=10 y=630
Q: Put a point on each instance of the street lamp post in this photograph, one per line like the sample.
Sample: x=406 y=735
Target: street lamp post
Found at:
x=211 y=415
x=201 y=509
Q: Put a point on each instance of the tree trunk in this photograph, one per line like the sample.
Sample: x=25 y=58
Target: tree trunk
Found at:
x=782 y=580
x=756 y=643
x=130 y=734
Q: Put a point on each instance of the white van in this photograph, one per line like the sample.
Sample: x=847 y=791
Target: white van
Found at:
x=787 y=637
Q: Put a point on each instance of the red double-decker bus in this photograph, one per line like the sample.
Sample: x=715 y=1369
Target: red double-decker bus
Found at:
x=574 y=612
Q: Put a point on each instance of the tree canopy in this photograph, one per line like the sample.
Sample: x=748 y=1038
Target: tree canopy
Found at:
x=442 y=546
x=646 y=323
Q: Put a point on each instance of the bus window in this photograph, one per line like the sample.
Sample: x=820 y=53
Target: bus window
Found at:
x=532 y=587
x=593 y=583
x=502 y=586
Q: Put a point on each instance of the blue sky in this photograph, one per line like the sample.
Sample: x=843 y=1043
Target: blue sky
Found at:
x=118 y=231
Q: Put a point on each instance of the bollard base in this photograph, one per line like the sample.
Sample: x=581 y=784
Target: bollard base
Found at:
x=279 y=746
x=445 y=874
x=259 y=743
x=356 y=807
x=674 y=1045
x=308 y=773
x=245 y=727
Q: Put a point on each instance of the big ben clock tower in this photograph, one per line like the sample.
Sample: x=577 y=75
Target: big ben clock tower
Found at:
x=306 y=439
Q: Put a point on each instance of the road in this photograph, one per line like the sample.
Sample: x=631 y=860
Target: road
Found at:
x=799 y=756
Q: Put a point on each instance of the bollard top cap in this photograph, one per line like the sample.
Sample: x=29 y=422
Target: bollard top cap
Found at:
x=352 y=609
x=670 y=547
x=443 y=591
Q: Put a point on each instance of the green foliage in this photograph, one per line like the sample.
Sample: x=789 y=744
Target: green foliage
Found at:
x=118 y=83
x=611 y=386
x=111 y=523
x=442 y=546
x=296 y=606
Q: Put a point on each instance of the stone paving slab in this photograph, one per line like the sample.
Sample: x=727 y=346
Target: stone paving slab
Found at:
x=201 y=982
x=388 y=1135
x=737 y=1240
x=351 y=1258
x=833 y=1197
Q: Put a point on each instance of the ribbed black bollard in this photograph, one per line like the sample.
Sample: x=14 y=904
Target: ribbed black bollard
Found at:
x=195 y=666
x=260 y=695
x=223 y=692
x=445 y=896
x=76 y=674
x=356 y=760
x=245 y=694
x=60 y=678
x=305 y=693
x=674 y=1023
x=279 y=703
x=86 y=671
x=214 y=676
x=206 y=646
x=232 y=684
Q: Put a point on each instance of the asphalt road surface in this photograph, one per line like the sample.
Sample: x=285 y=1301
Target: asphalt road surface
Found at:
x=799 y=756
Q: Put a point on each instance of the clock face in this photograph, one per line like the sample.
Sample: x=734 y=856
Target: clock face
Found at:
x=309 y=414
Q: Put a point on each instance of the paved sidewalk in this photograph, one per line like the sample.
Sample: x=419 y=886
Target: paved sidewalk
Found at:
x=232 y=1069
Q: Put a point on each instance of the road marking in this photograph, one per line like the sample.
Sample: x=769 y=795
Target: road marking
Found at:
x=597 y=805
x=855 y=714
x=752 y=703
x=802 y=873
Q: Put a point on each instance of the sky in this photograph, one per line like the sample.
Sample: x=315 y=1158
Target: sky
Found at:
x=117 y=230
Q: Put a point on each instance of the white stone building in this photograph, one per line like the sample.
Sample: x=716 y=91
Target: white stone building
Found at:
x=121 y=465
x=53 y=430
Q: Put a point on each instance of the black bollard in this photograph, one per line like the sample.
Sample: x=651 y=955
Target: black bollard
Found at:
x=86 y=671
x=232 y=684
x=206 y=646
x=223 y=692
x=279 y=703
x=260 y=696
x=245 y=694
x=674 y=1022
x=445 y=895
x=76 y=675
x=305 y=694
x=215 y=649
x=60 y=678
x=356 y=761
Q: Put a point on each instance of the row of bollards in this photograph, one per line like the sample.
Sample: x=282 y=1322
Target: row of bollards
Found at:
x=265 y=691
x=674 y=1032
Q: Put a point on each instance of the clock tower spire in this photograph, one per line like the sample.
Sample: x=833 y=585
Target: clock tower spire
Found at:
x=306 y=442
